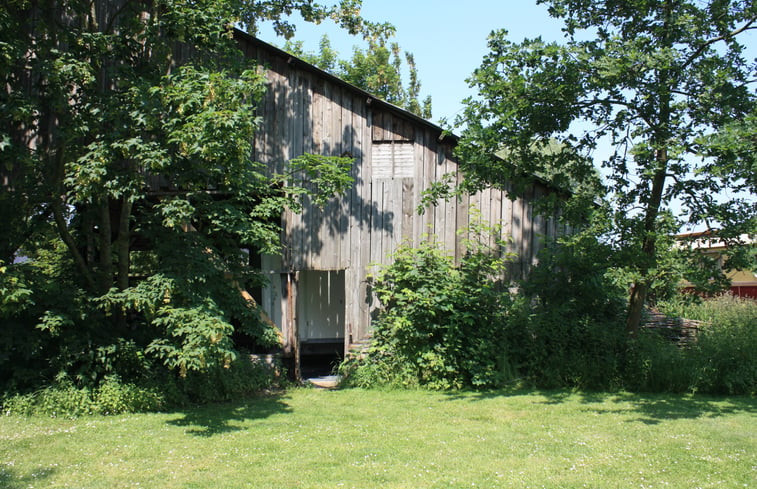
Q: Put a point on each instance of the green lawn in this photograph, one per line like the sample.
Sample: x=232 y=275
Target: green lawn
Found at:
x=364 y=439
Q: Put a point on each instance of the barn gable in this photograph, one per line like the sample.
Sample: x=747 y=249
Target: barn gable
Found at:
x=318 y=291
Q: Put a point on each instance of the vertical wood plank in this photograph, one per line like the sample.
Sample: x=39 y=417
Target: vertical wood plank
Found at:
x=326 y=119
x=284 y=111
x=365 y=243
x=377 y=133
x=307 y=113
x=486 y=206
x=420 y=186
x=297 y=113
x=390 y=214
x=440 y=208
x=507 y=221
x=517 y=237
x=426 y=228
x=539 y=227
x=345 y=202
x=353 y=272
x=528 y=232
x=408 y=210
x=496 y=216
x=377 y=220
x=462 y=222
x=450 y=215
x=316 y=116
x=473 y=210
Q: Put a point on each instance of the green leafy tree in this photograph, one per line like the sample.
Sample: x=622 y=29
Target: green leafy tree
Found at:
x=664 y=84
x=376 y=69
x=107 y=101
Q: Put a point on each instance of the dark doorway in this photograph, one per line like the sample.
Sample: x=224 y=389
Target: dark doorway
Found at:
x=320 y=314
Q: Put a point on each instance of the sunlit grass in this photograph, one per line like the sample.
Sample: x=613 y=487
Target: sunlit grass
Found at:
x=362 y=439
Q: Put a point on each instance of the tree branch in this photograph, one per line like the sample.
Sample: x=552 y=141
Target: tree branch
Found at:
x=710 y=42
x=65 y=235
x=122 y=243
x=628 y=105
x=694 y=199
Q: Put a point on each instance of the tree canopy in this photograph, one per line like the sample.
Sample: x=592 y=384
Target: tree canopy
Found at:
x=663 y=84
x=127 y=183
x=376 y=69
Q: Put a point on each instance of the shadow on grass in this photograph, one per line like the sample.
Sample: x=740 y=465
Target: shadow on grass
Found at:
x=649 y=408
x=656 y=408
x=10 y=480
x=216 y=419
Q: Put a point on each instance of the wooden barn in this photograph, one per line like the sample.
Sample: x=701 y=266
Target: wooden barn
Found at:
x=319 y=293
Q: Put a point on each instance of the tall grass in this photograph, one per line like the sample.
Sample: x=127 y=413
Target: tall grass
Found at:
x=721 y=361
x=722 y=311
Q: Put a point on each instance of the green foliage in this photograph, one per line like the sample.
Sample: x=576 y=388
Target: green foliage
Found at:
x=239 y=379
x=65 y=399
x=722 y=311
x=127 y=186
x=14 y=294
x=440 y=325
x=722 y=360
x=376 y=69
x=326 y=176
x=52 y=329
x=655 y=364
x=566 y=329
x=552 y=350
x=448 y=327
x=664 y=85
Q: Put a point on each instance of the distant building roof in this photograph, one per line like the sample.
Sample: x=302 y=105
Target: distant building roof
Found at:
x=709 y=240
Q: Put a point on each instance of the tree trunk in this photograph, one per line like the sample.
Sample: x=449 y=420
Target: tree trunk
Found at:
x=649 y=245
x=122 y=244
x=106 y=248
x=81 y=264
x=636 y=307
x=661 y=140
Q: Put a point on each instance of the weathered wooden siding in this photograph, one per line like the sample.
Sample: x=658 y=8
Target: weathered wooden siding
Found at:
x=396 y=159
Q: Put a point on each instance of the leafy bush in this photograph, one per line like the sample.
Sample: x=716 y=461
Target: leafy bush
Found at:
x=47 y=326
x=656 y=364
x=551 y=349
x=60 y=346
x=442 y=327
x=115 y=397
x=445 y=327
x=725 y=359
x=242 y=378
x=65 y=399
x=567 y=329
x=439 y=326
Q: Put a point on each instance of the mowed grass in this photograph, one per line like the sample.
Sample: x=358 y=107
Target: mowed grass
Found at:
x=363 y=439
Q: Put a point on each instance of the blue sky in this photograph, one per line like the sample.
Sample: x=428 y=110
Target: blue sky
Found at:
x=447 y=38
